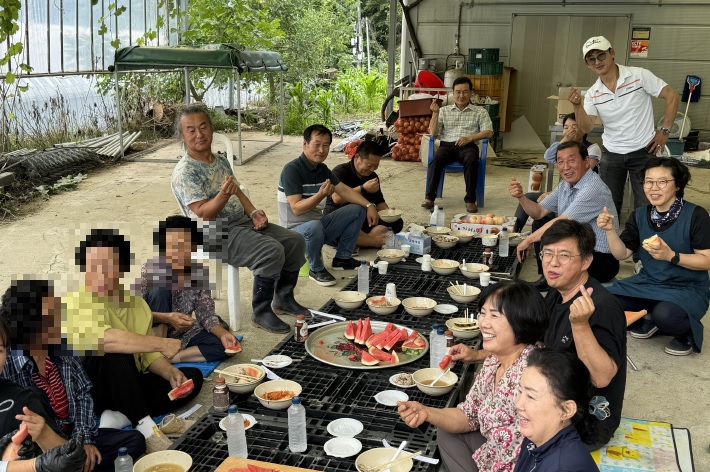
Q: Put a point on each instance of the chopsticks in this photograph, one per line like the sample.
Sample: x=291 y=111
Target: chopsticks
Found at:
x=457 y=287
x=236 y=376
x=383 y=467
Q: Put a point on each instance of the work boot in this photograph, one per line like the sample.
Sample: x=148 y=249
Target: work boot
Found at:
x=284 y=302
x=262 y=314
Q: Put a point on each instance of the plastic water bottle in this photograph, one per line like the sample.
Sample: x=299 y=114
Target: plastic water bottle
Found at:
x=434 y=216
x=432 y=340
x=441 y=217
x=124 y=462
x=236 y=437
x=389 y=239
x=297 y=436
x=437 y=348
x=363 y=278
x=503 y=242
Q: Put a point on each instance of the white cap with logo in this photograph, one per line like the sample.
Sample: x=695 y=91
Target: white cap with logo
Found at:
x=596 y=42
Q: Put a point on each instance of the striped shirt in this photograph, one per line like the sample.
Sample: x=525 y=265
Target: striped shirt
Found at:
x=583 y=202
x=300 y=177
x=455 y=123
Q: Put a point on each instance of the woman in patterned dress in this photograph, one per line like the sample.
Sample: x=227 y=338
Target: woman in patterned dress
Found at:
x=481 y=433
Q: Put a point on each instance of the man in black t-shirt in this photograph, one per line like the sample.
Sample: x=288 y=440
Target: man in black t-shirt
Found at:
x=359 y=174
x=587 y=320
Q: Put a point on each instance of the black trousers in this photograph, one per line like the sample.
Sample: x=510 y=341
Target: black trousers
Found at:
x=445 y=155
x=396 y=226
x=118 y=385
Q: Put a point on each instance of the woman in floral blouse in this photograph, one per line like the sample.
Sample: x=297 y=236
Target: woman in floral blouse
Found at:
x=175 y=288
x=481 y=433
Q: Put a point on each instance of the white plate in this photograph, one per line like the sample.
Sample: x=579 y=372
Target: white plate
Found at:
x=345 y=427
x=342 y=447
x=446 y=309
x=398 y=385
x=249 y=418
x=277 y=361
x=391 y=397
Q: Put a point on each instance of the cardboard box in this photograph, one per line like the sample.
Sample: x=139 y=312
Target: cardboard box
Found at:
x=564 y=107
x=420 y=245
x=419 y=107
x=540 y=186
x=460 y=222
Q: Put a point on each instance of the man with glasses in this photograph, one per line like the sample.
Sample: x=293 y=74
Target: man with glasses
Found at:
x=458 y=126
x=622 y=98
x=580 y=196
x=359 y=174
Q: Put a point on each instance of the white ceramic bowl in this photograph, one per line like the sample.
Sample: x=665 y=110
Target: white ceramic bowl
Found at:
x=241 y=385
x=163 y=457
x=392 y=256
x=473 y=270
x=389 y=215
x=349 y=300
x=419 y=306
x=445 y=241
x=444 y=266
x=392 y=304
x=381 y=456
x=431 y=373
x=489 y=239
x=436 y=230
x=463 y=296
x=462 y=333
x=463 y=235
x=273 y=386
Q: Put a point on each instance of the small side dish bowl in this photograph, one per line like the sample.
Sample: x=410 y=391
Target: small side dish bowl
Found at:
x=391 y=256
x=473 y=270
x=419 y=306
x=444 y=266
x=261 y=392
x=423 y=378
x=445 y=241
x=349 y=300
x=460 y=295
x=463 y=235
x=389 y=215
x=383 y=305
x=460 y=330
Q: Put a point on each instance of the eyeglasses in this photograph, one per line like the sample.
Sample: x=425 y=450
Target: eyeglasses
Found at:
x=563 y=258
x=661 y=183
x=591 y=60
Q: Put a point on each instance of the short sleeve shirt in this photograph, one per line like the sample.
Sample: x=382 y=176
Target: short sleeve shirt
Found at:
x=455 y=123
x=194 y=181
x=300 y=177
x=347 y=174
x=627 y=113
x=583 y=202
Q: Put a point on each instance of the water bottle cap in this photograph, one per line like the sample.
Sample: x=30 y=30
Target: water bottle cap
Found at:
x=122 y=451
x=233 y=409
x=504 y=229
x=440 y=331
x=362 y=263
x=435 y=327
x=296 y=400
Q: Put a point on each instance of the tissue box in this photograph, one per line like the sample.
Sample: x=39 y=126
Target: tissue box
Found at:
x=420 y=245
x=460 y=221
x=538 y=171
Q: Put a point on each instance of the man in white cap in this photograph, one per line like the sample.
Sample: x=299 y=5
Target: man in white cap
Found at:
x=622 y=98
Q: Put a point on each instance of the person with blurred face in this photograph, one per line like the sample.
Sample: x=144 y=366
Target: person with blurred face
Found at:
x=304 y=186
x=458 y=126
x=481 y=433
x=580 y=196
x=239 y=234
x=359 y=174
x=672 y=239
x=175 y=288
x=128 y=366
x=39 y=363
x=621 y=97
x=553 y=396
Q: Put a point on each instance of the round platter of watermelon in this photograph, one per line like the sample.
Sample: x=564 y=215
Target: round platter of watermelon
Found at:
x=366 y=345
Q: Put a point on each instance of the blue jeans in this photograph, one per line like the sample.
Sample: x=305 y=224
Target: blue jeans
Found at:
x=343 y=223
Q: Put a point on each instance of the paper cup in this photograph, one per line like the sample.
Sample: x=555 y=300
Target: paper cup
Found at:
x=391 y=291
x=406 y=248
x=485 y=278
x=382 y=267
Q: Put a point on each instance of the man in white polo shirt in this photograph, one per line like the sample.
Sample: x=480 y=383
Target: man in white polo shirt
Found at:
x=622 y=98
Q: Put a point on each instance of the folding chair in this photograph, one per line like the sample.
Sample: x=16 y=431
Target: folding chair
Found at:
x=632 y=317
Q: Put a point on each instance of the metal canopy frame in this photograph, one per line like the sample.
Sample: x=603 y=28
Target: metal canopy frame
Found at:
x=223 y=56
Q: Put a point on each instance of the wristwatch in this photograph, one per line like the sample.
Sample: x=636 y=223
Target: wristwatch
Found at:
x=369 y=205
x=675 y=259
x=665 y=131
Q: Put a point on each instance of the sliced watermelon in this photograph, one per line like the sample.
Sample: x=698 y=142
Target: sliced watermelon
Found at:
x=366 y=330
x=379 y=354
x=374 y=339
x=390 y=327
x=413 y=335
x=184 y=389
x=404 y=336
x=394 y=358
x=350 y=330
x=384 y=335
x=358 y=332
x=392 y=340
x=419 y=341
x=367 y=359
x=410 y=347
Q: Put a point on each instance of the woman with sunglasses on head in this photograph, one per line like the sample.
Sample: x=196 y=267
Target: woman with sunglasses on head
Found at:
x=672 y=239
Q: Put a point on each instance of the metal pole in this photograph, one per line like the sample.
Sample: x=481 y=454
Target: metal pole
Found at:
x=358 y=36
x=367 y=34
x=239 y=118
x=231 y=90
x=118 y=108
x=283 y=105
x=391 y=52
x=187 y=85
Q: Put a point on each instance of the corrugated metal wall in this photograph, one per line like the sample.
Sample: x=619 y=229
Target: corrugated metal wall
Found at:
x=680 y=31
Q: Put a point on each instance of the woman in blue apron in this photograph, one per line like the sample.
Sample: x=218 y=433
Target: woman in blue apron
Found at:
x=672 y=239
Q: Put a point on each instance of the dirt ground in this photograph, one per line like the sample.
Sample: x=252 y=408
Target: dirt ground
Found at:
x=135 y=195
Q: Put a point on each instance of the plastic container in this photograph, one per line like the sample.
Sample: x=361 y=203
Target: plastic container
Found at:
x=389 y=239
x=441 y=217
x=124 y=462
x=236 y=436
x=489 y=55
x=300 y=329
x=297 y=436
x=434 y=216
x=503 y=242
x=363 y=278
x=220 y=395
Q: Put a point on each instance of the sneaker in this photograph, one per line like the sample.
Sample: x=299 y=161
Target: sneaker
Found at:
x=678 y=348
x=645 y=331
x=322 y=277
x=345 y=264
